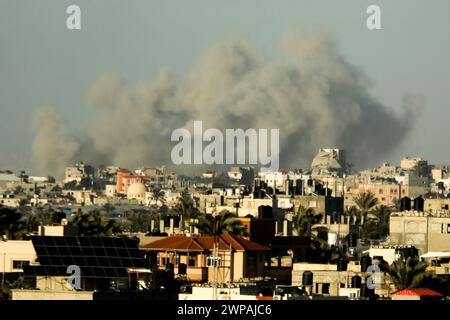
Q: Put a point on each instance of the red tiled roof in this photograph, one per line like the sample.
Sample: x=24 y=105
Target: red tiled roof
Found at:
x=204 y=243
x=174 y=243
x=417 y=293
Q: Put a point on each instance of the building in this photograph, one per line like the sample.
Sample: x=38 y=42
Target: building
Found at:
x=78 y=172
x=416 y=294
x=329 y=161
x=321 y=204
x=136 y=191
x=126 y=178
x=14 y=254
x=193 y=258
x=418 y=165
x=426 y=231
x=104 y=264
x=336 y=280
x=392 y=253
x=387 y=193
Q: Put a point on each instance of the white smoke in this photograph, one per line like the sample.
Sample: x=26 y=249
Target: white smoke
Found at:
x=317 y=99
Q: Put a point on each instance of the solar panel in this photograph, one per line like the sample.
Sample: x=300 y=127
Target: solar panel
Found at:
x=97 y=257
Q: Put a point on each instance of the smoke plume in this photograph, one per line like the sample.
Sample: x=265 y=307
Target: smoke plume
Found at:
x=314 y=96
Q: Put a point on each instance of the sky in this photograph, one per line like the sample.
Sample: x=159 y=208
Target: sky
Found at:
x=43 y=63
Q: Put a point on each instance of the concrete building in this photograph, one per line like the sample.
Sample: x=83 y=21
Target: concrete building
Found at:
x=192 y=257
x=329 y=280
x=126 y=178
x=14 y=254
x=417 y=164
x=136 y=191
x=387 y=193
x=426 y=231
x=436 y=205
x=78 y=172
x=329 y=161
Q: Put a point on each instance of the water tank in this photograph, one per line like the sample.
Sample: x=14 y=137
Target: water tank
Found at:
x=365 y=291
x=176 y=221
x=356 y=282
x=298 y=187
x=182 y=268
x=366 y=261
x=342 y=265
x=418 y=204
x=265 y=212
x=405 y=204
x=167 y=221
x=307 y=278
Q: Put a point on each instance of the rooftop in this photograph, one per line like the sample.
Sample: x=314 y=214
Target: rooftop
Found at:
x=204 y=243
x=417 y=293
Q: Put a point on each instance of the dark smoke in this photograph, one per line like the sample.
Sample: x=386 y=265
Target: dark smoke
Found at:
x=317 y=99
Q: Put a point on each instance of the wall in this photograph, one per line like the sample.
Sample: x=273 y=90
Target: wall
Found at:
x=51 y=295
x=425 y=233
x=15 y=250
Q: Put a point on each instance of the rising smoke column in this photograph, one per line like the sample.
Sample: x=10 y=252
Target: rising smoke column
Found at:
x=315 y=97
x=53 y=148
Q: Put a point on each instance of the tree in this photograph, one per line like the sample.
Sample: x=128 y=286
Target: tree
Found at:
x=94 y=224
x=138 y=220
x=12 y=226
x=409 y=274
x=224 y=222
x=220 y=224
x=304 y=220
x=5 y=292
x=186 y=207
x=159 y=196
x=365 y=201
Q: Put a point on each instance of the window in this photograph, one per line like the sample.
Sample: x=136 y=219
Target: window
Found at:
x=18 y=264
x=448 y=228
x=381 y=191
x=325 y=288
x=213 y=261
x=191 y=263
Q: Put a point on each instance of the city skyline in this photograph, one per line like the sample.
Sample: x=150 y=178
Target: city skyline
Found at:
x=60 y=72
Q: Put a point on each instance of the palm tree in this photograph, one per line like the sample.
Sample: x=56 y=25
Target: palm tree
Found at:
x=218 y=225
x=365 y=201
x=187 y=207
x=159 y=196
x=12 y=226
x=409 y=274
x=224 y=222
x=382 y=215
x=138 y=220
x=304 y=219
x=94 y=224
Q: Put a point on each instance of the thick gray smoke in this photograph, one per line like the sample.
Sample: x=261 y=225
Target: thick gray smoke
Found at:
x=315 y=97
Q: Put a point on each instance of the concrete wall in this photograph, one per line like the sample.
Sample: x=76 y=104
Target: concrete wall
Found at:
x=426 y=233
x=21 y=250
x=51 y=295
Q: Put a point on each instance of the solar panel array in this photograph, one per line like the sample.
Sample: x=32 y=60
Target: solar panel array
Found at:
x=97 y=257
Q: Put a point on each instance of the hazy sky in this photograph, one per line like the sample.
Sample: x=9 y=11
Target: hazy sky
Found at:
x=43 y=63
